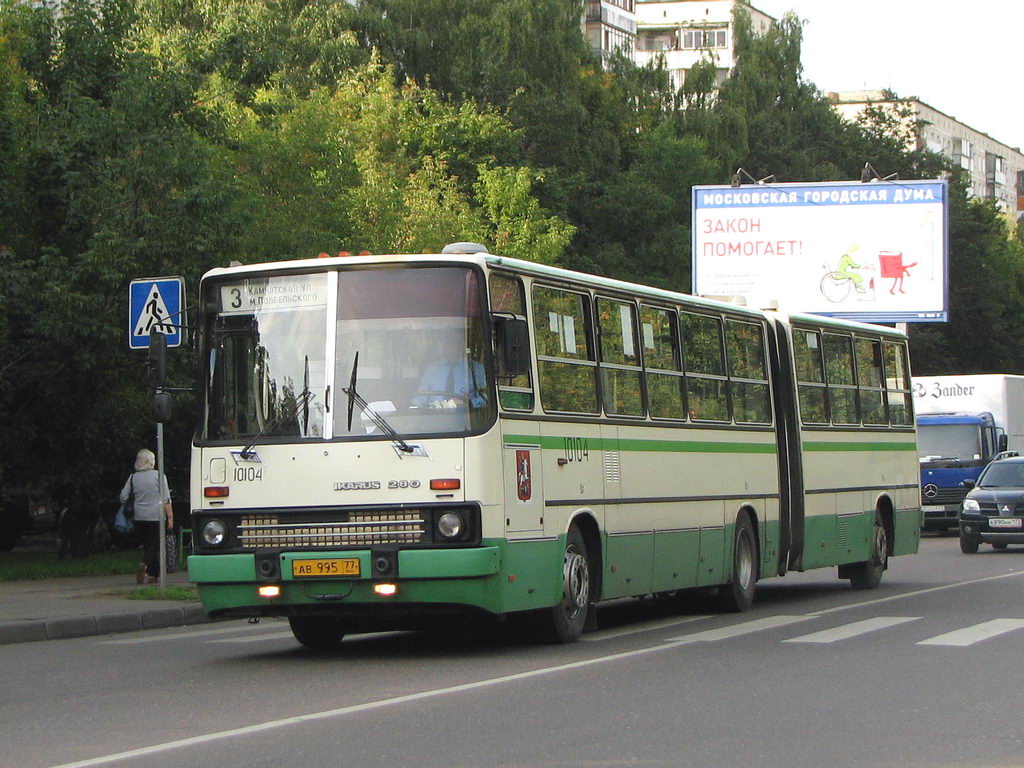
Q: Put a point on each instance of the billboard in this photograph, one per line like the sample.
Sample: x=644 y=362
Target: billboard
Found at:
x=875 y=252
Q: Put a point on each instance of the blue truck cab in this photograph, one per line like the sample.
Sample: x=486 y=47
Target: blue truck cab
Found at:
x=953 y=447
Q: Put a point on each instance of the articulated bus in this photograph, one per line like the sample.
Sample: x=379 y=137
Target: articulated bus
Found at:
x=388 y=441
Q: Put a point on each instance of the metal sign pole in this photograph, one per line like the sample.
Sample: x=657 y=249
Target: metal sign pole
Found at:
x=160 y=494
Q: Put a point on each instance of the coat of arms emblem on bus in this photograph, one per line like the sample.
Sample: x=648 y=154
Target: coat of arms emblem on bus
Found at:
x=524 y=486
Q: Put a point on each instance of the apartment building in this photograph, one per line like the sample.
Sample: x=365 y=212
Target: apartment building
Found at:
x=687 y=31
x=610 y=26
x=997 y=170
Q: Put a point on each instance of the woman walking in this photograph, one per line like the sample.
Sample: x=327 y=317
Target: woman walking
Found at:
x=149 y=502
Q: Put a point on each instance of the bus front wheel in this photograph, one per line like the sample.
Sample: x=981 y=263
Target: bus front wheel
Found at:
x=738 y=594
x=318 y=632
x=564 y=622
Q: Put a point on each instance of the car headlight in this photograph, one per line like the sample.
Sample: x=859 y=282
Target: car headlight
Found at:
x=971 y=505
x=450 y=525
x=214 y=533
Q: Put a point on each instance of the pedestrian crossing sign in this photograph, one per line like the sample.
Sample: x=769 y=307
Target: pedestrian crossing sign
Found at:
x=155 y=305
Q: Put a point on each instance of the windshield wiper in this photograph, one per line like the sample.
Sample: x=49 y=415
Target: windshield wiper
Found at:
x=306 y=397
x=357 y=399
x=302 y=402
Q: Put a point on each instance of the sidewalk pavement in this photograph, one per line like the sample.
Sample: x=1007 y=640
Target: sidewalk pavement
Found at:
x=49 y=609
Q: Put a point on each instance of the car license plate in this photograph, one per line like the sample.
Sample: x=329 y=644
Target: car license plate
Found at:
x=325 y=566
x=933 y=508
x=1005 y=522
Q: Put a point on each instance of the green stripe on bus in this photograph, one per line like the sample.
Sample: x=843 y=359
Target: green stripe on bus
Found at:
x=660 y=446
x=854 y=446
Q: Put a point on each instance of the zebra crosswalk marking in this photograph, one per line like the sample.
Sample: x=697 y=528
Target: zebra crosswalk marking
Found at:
x=736 y=630
x=853 y=629
x=976 y=633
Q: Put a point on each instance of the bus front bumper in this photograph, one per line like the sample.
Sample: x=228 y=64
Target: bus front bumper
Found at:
x=229 y=584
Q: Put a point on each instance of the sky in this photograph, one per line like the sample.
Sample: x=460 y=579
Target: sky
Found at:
x=961 y=58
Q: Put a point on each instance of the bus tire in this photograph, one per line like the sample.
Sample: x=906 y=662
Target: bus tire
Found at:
x=968 y=544
x=564 y=621
x=738 y=595
x=868 y=574
x=318 y=632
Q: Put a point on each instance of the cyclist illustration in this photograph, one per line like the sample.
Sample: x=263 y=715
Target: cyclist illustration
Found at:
x=837 y=284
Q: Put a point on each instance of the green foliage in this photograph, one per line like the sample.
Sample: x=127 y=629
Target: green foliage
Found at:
x=156 y=137
x=986 y=278
x=26 y=565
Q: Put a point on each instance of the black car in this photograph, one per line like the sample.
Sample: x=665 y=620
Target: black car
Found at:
x=993 y=511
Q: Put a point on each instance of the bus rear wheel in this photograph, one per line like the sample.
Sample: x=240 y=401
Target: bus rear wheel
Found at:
x=564 y=621
x=738 y=594
x=868 y=574
x=318 y=632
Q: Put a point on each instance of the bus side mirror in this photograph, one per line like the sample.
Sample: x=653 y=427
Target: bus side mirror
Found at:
x=1003 y=442
x=160 y=407
x=513 y=345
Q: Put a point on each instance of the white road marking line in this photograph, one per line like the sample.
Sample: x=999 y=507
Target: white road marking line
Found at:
x=975 y=634
x=180 y=635
x=852 y=630
x=646 y=626
x=736 y=630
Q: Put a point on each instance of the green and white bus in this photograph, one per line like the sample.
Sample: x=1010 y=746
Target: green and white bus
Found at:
x=388 y=440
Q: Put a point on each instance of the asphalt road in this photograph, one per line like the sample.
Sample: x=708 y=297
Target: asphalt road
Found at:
x=924 y=671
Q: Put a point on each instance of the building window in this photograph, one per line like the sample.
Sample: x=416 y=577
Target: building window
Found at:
x=704 y=38
x=657 y=41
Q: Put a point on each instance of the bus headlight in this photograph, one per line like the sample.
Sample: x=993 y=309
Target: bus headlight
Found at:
x=214 y=533
x=450 y=525
x=971 y=505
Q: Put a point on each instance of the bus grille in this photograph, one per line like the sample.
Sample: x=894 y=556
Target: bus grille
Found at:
x=359 y=529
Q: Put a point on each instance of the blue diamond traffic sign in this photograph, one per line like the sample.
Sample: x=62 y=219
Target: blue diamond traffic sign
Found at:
x=155 y=305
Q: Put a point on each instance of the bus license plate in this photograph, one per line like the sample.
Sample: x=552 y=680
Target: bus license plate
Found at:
x=326 y=566
x=1005 y=522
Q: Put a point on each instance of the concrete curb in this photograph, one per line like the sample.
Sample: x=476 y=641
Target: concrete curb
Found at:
x=101 y=624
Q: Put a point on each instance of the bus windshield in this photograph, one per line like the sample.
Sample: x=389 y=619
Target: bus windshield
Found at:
x=283 y=355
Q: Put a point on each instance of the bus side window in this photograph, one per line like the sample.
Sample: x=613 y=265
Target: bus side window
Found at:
x=565 y=361
x=869 y=380
x=897 y=384
x=707 y=388
x=620 y=358
x=748 y=372
x=508 y=298
x=842 y=390
x=810 y=376
x=662 y=363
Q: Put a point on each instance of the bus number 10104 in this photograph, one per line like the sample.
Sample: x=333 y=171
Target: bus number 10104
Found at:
x=248 y=474
x=576 y=449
